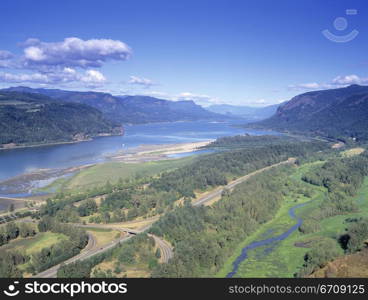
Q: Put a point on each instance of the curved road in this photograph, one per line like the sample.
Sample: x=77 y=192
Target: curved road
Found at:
x=91 y=249
x=165 y=249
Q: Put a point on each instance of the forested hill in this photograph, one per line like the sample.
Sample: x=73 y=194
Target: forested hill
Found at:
x=131 y=109
x=37 y=119
x=337 y=113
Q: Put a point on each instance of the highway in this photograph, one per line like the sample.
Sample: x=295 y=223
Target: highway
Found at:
x=92 y=249
x=216 y=193
x=165 y=249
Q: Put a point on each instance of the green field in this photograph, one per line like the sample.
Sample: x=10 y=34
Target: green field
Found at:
x=284 y=258
x=112 y=171
x=35 y=244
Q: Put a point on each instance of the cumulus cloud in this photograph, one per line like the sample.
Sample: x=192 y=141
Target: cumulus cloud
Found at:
x=5 y=59
x=19 y=78
x=201 y=99
x=349 y=79
x=308 y=86
x=72 y=61
x=73 y=52
x=198 y=98
x=145 y=82
x=93 y=78
x=5 y=55
x=90 y=78
x=339 y=81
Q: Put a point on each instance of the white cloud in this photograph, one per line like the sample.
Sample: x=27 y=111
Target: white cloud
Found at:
x=6 y=59
x=201 y=99
x=349 y=79
x=90 y=78
x=260 y=101
x=93 y=78
x=73 y=52
x=20 y=78
x=339 y=81
x=5 y=55
x=141 y=81
x=308 y=86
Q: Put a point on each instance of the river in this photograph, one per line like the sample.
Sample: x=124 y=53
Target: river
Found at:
x=19 y=161
x=244 y=254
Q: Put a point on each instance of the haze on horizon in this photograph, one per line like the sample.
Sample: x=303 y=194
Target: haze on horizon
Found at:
x=212 y=52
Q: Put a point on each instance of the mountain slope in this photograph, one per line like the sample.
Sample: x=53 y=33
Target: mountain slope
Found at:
x=338 y=113
x=246 y=112
x=131 y=109
x=38 y=119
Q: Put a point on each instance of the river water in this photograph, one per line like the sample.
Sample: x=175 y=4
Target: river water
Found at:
x=244 y=254
x=16 y=162
x=19 y=161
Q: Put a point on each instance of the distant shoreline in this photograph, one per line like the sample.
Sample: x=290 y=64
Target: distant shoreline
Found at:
x=56 y=143
x=139 y=154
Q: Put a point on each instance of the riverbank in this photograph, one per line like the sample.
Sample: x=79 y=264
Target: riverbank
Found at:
x=43 y=179
x=23 y=185
x=274 y=259
x=145 y=153
x=253 y=265
x=12 y=146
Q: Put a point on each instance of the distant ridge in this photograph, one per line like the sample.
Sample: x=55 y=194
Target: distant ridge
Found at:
x=130 y=109
x=247 y=112
x=336 y=113
x=29 y=119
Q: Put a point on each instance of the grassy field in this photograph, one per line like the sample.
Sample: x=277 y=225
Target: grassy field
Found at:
x=112 y=171
x=284 y=258
x=104 y=236
x=136 y=271
x=259 y=262
x=352 y=152
x=35 y=244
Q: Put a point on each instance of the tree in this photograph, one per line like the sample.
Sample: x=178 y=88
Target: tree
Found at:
x=11 y=207
x=158 y=253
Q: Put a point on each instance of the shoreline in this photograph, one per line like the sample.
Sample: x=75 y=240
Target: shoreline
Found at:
x=25 y=182
x=154 y=152
x=56 y=143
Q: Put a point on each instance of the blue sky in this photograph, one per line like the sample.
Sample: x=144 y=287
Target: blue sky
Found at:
x=238 y=52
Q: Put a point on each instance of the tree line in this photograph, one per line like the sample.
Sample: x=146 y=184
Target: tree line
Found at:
x=145 y=196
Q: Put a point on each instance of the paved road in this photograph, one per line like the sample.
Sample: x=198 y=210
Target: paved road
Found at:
x=165 y=249
x=234 y=183
x=108 y=226
x=90 y=250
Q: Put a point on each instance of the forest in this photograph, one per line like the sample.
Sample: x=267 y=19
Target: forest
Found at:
x=204 y=237
x=36 y=119
x=12 y=259
x=342 y=178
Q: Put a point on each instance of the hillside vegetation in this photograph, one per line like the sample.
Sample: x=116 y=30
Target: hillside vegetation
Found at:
x=37 y=119
x=130 y=109
x=338 y=113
